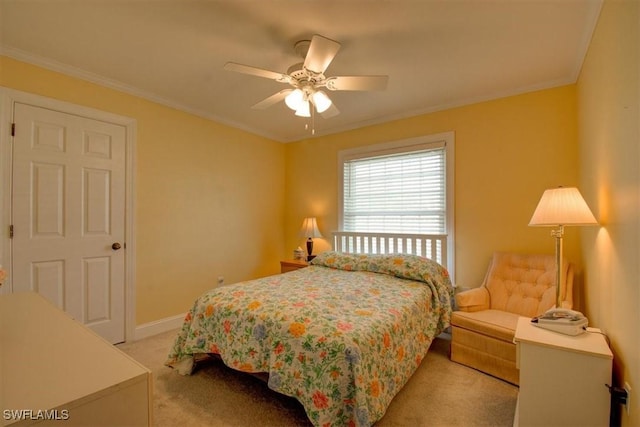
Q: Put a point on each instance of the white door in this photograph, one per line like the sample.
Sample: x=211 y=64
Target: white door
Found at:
x=68 y=215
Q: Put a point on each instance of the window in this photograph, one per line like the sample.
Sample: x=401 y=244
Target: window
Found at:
x=399 y=187
x=396 y=193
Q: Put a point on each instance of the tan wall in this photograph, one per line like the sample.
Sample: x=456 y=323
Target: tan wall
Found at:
x=507 y=152
x=209 y=197
x=609 y=135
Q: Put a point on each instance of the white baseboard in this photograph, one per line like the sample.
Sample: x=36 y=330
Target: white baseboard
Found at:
x=158 y=326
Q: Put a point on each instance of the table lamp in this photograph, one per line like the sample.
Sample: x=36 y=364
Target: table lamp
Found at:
x=310 y=231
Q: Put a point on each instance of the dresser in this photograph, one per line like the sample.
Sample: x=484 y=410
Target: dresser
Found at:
x=562 y=377
x=54 y=368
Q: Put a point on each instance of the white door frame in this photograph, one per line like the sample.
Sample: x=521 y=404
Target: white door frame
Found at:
x=8 y=97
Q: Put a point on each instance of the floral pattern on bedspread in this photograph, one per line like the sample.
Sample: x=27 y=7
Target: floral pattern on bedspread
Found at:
x=342 y=335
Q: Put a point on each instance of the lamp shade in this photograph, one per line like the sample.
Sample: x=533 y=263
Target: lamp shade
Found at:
x=294 y=99
x=562 y=206
x=310 y=228
x=303 y=110
x=321 y=101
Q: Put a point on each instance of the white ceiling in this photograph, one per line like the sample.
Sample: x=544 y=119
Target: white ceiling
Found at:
x=437 y=53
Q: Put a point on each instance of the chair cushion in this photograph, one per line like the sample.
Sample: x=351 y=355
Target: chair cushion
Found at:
x=522 y=283
x=494 y=323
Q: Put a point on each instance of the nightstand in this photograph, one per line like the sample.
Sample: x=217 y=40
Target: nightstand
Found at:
x=290 y=265
x=562 y=377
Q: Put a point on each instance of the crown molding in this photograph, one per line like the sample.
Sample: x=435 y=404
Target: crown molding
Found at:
x=81 y=74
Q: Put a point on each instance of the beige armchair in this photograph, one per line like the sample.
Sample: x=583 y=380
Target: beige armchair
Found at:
x=483 y=326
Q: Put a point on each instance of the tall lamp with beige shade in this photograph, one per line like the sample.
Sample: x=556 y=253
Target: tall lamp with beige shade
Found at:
x=560 y=207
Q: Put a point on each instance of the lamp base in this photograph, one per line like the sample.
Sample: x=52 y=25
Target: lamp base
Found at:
x=559 y=234
x=310 y=249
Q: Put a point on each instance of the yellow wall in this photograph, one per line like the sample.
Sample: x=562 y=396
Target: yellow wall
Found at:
x=507 y=152
x=609 y=141
x=209 y=197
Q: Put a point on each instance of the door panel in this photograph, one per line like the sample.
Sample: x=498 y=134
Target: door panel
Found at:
x=97 y=287
x=47 y=197
x=47 y=278
x=68 y=209
x=96 y=202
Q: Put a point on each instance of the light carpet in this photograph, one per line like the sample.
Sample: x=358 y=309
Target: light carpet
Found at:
x=440 y=393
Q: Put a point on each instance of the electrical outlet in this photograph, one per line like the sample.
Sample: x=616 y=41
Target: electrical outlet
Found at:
x=220 y=280
x=627 y=388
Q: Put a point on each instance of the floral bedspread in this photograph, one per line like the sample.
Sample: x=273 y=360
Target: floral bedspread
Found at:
x=342 y=335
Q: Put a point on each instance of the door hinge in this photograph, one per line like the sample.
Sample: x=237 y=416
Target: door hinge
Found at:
x=13 y=129
x=11 y=231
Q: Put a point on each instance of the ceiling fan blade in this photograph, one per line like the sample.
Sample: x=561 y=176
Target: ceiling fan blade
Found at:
x=321 y=52
x=254 y=71
x=273 y=99
x=357 y=82
x=330 y=112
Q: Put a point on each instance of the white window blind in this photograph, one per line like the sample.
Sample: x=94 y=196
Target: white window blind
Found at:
x=400 y=192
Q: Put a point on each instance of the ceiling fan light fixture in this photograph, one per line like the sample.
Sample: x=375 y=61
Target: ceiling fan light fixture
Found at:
x=295 y=100
x=303 y=110
x=306 y=79
x=321 y=101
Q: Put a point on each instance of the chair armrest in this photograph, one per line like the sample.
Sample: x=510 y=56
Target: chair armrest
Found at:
x=475 y=299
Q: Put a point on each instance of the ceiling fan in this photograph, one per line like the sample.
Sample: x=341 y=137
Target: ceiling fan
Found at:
x=307 y=79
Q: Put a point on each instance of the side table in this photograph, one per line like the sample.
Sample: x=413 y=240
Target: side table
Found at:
x=290 y=265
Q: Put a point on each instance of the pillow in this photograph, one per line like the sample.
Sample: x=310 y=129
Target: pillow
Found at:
x=412 y=267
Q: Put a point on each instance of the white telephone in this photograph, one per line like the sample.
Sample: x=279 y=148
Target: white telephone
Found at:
x=562 y=320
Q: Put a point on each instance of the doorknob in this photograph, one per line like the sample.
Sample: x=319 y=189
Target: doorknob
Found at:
x=116 y=246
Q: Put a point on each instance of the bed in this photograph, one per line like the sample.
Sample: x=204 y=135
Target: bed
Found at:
x=342 y=336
